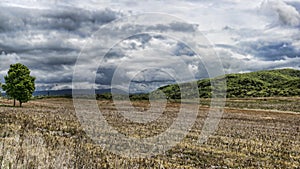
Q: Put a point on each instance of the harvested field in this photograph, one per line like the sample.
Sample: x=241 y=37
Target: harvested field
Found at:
x=46 y=133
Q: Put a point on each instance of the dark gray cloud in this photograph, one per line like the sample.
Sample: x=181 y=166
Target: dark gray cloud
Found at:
x=183 y=49
x=174 y=26
x=271 y=50
x=149 y=79
x=62 y=19
x=48 y=41
x=141 y=60
x=264 y=50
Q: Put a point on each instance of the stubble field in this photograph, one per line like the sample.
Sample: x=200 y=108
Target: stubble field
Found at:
x=253 y=133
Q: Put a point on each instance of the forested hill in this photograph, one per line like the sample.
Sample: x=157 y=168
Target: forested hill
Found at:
x=281 y=82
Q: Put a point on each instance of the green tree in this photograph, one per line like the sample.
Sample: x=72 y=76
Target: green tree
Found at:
x=19 y=85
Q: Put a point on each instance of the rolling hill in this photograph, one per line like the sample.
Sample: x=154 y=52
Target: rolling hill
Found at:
x=267 y=83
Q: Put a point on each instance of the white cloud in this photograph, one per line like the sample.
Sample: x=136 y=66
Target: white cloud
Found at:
x=5 y=61
x=285 y=14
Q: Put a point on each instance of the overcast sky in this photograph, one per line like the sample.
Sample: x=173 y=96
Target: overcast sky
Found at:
x=48 y=36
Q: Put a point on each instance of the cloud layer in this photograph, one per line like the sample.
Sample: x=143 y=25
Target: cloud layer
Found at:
x=49 y=35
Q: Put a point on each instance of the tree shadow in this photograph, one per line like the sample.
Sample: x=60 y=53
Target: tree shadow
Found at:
x=5 y=105
x=9 y=103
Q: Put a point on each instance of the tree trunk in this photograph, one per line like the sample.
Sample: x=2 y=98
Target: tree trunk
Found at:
x=14 y=102
x=20 y=103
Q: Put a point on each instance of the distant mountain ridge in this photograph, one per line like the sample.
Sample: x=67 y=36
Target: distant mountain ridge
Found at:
x=67 y=92
x=70 y=92
x=267 y=83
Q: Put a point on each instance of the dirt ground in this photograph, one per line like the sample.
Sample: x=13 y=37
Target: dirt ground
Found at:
x=252 y=133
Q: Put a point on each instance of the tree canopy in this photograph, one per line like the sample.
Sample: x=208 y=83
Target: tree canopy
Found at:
x=19 y=85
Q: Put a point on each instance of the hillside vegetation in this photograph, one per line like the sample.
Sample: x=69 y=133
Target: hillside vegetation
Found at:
x=268 y=83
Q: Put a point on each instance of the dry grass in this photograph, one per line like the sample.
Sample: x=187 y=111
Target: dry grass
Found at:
x=47 y=134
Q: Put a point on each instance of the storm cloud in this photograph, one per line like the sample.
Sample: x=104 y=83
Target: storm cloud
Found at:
x=48 y=41
x=49 y=36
